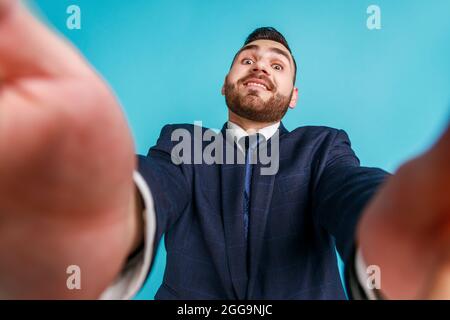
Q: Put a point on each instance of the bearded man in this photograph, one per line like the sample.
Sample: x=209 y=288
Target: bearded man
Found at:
x=72 y=192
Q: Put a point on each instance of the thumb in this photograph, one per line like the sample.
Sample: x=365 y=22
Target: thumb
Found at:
x=442 y=146
x=439 y=285
x=28 y=48
x=5 y=4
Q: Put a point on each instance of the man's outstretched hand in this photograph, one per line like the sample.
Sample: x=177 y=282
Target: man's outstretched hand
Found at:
x=406 y=228
x=66 y=190
x=66 y=163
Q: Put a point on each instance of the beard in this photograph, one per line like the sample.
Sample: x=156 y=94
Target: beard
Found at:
x=252 y=107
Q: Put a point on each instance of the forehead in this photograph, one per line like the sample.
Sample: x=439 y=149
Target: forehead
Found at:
x=267 y=46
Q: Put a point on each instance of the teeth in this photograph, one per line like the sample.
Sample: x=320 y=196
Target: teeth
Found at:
x=257 y=84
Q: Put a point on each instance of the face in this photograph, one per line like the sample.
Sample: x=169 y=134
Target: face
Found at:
x=259 y=86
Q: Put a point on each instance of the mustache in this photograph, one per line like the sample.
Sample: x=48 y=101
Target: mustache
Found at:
x=262 y=77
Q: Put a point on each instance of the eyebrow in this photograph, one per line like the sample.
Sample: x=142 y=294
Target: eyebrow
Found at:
x=272 y=49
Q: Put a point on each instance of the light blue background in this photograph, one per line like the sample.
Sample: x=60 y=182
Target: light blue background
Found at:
x=166 y=61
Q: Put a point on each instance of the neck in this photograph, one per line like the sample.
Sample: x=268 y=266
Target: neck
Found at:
x=247 y=124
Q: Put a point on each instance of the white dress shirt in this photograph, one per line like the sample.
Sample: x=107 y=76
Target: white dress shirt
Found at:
x=134 y=274
x=236 y=133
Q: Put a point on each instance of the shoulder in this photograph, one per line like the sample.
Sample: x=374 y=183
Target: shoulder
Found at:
x=318 y=134
x=314 y=130
x=173 y=133
x=191 y=128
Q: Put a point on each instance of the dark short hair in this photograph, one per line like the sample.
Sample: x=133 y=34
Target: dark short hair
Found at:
x=269 y=33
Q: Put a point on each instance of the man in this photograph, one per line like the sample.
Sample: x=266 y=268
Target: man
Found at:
x=67 y=196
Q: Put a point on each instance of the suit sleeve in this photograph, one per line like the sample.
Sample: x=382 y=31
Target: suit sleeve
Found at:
x=342 y=191
x=168 y=182
x=166 y=193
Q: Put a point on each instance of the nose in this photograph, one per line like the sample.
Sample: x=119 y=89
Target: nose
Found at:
x=260 y=67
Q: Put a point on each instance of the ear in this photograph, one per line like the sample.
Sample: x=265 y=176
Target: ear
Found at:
x=223 y=86
x=294 y=99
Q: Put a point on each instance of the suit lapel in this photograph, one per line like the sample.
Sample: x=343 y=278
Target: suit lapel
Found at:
x=261 y=196
x=232 y=192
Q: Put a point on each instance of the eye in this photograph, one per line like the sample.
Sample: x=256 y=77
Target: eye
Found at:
x=277 y=67
x=247 y=61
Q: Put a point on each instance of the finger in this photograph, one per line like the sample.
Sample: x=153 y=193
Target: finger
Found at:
x=439 y=285
x=4 y=5
x=27 y=47
x=446 y=139
x=443 y=144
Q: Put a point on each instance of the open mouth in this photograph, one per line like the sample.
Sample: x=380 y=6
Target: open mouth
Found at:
x=256 y=83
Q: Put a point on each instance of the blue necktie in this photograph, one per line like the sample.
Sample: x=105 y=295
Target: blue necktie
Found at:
x=250 y=143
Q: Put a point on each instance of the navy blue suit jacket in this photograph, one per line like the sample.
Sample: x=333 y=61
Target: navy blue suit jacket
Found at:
x=297 y=218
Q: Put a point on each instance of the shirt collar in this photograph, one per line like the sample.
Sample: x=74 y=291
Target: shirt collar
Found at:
x=236 y=133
